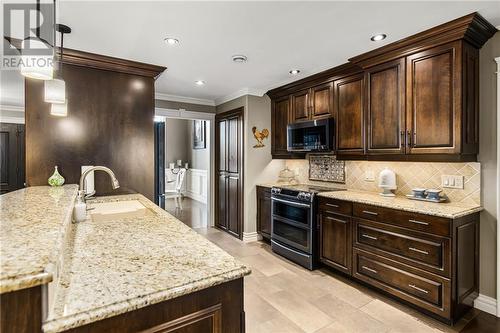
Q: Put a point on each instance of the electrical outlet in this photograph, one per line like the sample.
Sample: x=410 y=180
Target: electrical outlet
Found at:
x=452 y=181
x=369 y=176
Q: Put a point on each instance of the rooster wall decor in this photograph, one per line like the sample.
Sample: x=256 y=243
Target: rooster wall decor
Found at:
x=259 y=136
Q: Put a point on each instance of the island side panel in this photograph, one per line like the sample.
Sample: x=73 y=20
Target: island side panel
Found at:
x=21 y=311
x=217 y=309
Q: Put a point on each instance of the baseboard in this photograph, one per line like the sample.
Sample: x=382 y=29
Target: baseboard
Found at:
x=251 y=237
x=486 y=304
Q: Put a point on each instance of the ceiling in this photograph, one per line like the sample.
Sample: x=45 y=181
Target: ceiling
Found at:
x=275 y=36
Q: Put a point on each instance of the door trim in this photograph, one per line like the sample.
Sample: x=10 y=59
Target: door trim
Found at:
x=240 y=112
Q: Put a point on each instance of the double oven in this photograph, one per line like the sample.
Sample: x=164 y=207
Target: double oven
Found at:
x=294 y=232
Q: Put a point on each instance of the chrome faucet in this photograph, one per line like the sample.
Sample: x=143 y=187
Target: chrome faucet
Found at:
x=114 y=181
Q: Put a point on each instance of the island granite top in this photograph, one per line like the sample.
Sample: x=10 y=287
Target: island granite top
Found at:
x=32 y=229
x=117 y=265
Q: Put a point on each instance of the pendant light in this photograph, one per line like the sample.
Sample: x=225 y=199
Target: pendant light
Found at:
x=40 y=67
x=59 y=109
x=55 y=90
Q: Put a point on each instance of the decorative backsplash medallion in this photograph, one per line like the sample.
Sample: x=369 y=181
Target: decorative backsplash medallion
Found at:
x=326 y=168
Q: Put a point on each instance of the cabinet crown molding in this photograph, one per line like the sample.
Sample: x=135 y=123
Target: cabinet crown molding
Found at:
x=472 y=28
x=99 y=61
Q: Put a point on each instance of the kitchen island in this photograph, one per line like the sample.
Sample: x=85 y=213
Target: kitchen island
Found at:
x=123 y=272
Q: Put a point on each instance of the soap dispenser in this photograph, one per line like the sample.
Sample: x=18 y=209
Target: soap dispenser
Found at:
x=80 y=210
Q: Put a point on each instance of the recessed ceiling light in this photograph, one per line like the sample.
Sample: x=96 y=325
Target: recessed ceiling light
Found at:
x=171 y=41
x=378 y=37
x=294 y=71
x=239 y=58
x=199 y=82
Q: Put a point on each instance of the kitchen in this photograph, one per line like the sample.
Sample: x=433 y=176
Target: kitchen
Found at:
x=367 y=188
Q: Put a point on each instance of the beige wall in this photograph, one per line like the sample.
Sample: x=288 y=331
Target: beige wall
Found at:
x=489 y=160
x=259 y=167
x=179 y=144
x=160 y=103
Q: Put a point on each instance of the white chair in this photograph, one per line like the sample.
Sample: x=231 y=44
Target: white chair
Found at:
x=176 y=193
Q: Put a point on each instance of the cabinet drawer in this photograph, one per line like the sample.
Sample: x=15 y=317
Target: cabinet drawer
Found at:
x=418 y=287
x=333 y=206
x=421 y=222
x=424 y=251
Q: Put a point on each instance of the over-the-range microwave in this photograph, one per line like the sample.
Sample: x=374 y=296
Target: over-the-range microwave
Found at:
x=311 y=136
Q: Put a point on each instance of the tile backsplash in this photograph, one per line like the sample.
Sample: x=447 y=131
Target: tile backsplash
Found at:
x=408 y=175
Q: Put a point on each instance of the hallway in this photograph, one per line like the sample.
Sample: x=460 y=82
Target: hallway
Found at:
x=193 y=213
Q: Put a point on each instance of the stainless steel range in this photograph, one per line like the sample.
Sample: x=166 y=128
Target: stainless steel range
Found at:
x=294 y=231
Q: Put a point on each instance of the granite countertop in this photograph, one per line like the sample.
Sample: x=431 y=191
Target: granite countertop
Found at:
x=124 y=263
x=32 y=229
x=448 y=210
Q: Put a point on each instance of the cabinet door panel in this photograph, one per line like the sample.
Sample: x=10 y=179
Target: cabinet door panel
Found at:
x=232 y=145
x=222 y=165
x=349 y=112
x=300 y=105
x=264 y=211
x=385 y=108
x=233 y=201
x=335 y=241
x=279 y=122
x=221 y=202
x=434 y=100
x=322 y=106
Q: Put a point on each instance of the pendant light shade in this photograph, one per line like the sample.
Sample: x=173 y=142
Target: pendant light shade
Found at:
x=40 y=67
x=59 y=110
x=55 y=91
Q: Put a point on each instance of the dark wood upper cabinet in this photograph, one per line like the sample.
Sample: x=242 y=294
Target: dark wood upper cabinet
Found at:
x=280 y=115
x=385 y=108
x=300 y=106
x=322 y=101
x=412 y=100
x=434 y=100
x=349 y=113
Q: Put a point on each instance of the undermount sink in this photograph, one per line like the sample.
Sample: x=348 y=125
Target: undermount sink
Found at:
x=106 y=211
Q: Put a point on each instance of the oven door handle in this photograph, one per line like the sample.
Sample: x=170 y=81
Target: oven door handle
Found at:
x=291 y=203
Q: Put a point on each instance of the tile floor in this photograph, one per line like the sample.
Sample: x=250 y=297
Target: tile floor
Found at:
x=283 y=297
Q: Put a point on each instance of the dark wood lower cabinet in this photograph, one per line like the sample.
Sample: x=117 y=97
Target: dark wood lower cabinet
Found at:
x=264 y=211
x=335 y=241
x=426 y=261
x=217 y=309
x=21 y=311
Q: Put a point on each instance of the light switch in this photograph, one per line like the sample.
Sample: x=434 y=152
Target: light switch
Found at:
x=369 y=176
x=452 y=181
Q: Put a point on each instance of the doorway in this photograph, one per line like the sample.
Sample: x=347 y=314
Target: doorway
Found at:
x=184 y=159
x=229 y=172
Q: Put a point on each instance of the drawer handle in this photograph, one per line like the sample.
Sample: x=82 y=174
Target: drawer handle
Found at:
x=330 y=212
x=418 y=222
x=419 y=289
x=369 y=237
x=369 y=269
x=418 y=250
x=332 y=205
x=370 y=213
